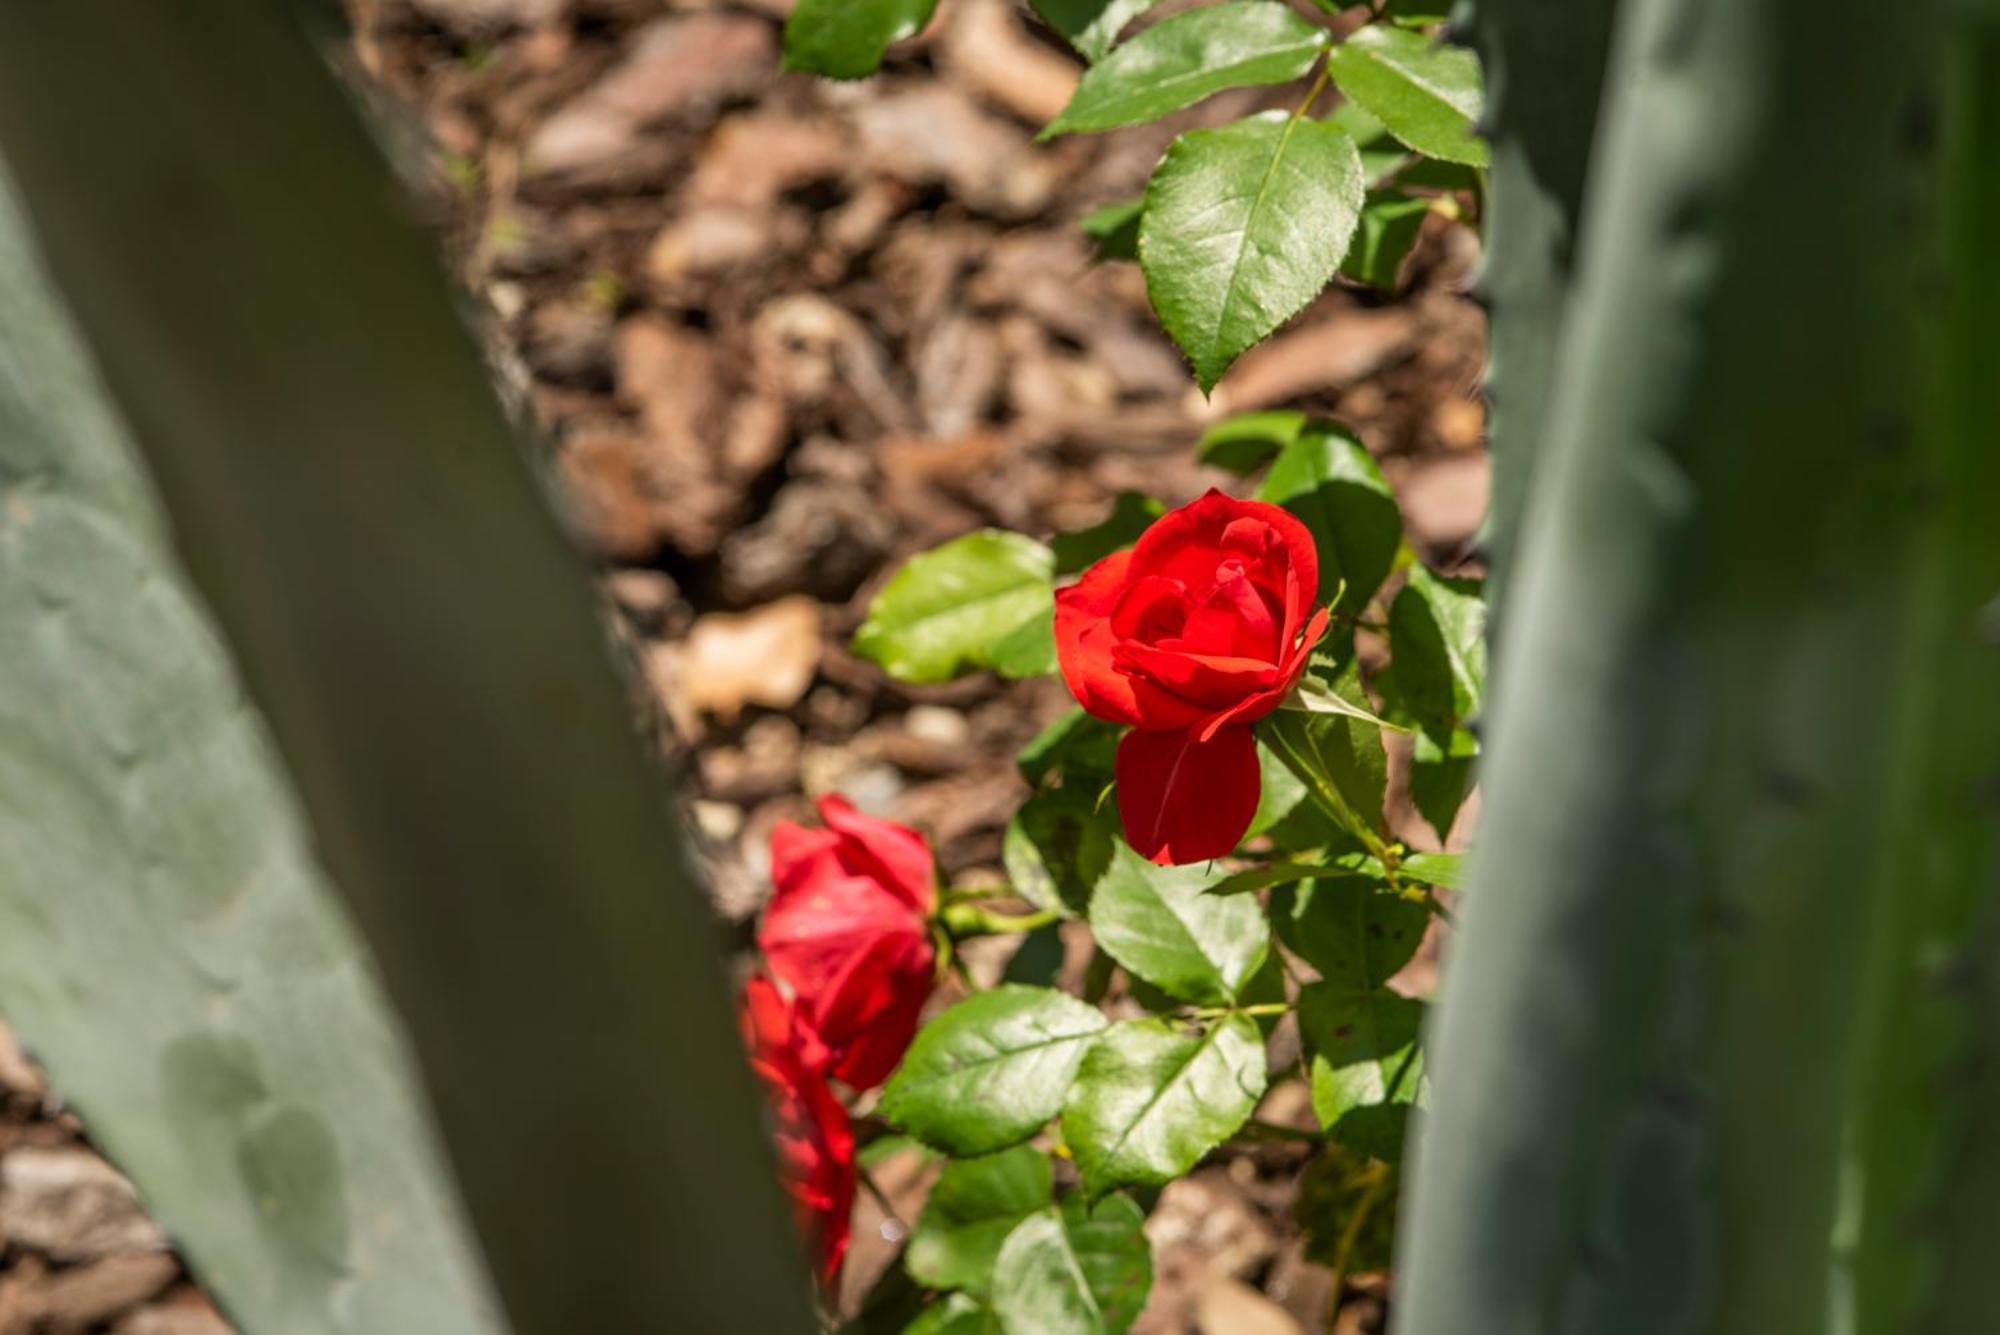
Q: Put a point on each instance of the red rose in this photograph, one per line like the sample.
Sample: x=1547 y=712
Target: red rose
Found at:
x=1192 y=635
x=814 y=1140
x=847 y=934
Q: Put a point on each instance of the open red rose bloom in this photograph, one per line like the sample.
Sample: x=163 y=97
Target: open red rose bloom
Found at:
x=1192 y=635
x=847 y=933
x=846 y=940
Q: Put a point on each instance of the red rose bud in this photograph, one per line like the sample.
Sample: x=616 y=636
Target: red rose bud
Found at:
x=1191 y=636
x=847 y=934
x=813 y=1138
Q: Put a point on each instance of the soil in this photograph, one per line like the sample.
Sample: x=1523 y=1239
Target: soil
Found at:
x=777 y=334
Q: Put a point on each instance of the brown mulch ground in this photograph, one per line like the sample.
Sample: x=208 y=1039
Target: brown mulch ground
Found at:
x=779 y=334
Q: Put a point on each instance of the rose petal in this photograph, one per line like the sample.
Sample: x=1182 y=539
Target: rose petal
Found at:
x=798 y=854
x=1206 y=682
x=1253 y=707
x=1236 y=621
x=1189 y=545
x=869 y=1014
x=894 y=854
x=809 y=935
x=810 y=1129
x=1084 y=641
x=1149 y=610
x=1183 y=800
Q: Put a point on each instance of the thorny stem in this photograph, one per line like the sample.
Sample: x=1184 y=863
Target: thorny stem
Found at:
x=1318 y=87
x=1377 y=1174
x=964 y=920
x=1330 y=801
x=881 y=1197
x=1257 y=1129
x=1222 y=1012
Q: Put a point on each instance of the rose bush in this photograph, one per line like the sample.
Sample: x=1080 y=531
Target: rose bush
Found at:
x=1224 y=718
x=1192 y=635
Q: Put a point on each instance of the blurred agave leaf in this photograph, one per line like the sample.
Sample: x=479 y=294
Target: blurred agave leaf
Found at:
x=167 y=945
x=424 y=646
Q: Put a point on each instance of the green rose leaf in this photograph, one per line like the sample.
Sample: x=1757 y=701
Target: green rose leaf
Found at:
x=1424 y=92
x=1114 y=229
x=1437 y=634
x=1057 y=847
x=1188 y=57
x=1243 y=443
x=1381 y=156
x=1437 y=680
x=1286 y=873
x=1340 y=760
x=1390 y=221
x=1151 y=1098
x=1158 y=923
x=1077 y=1270
x=1441 y=775
x=1365 y=1064
x=1075 y=746
x=1353 y=929
x=989 y=1072
x=1417 y=11
x=957 y=1314
x=1280 y=793
x=845 y=39
x=1091 y=26
x=1243 y=226
x=1131 y=514
x=1326 y=478
x=984 y=600
x=973 y=1206
x=1028 y=650
x=1445 y=869
x=1347 y=1210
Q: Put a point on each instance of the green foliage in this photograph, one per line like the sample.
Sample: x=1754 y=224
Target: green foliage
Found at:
x=1445 y=869
x=1438 y=681
x=955 y=1314
x=1326 y=478
x=989 y=1072
x=1390 y=221
x=1076 y=746
x=1357 y=931
x=1077 y=1270
x=1240 y=226
x=1244 y=443
x=1188 y=57
x=1347 y=1210
x=845 y=39
x=1152 y=1098
x=1341 y=762
x=1159 y=924
x=1364 y=1063
x=1091 y=26
x=983 y=600
x=1114 y=228
x=1280 y=798
x=1058 y=847
x=1244 y=225
x=1424 y=92
x=972 y=1207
